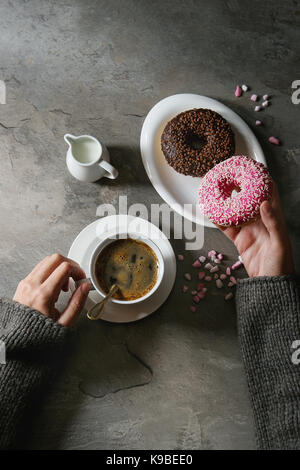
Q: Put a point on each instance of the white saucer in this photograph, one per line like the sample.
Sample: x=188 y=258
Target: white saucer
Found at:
x=88 y=239
x=174 y=188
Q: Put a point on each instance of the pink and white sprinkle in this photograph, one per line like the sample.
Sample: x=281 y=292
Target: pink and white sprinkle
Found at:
x=208 y=266
x=236 y=265
x=273 y=140
x=229 y=296
x=214 y=269
x=196 y=264
x=238 y=91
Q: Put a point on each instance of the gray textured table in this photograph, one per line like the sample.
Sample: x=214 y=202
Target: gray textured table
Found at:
x=174 y=380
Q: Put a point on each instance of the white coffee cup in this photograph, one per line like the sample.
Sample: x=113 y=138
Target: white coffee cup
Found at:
x=111 y=238
x=87 y=159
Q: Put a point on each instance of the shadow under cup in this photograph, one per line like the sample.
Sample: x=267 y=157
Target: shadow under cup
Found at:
x=135 y=237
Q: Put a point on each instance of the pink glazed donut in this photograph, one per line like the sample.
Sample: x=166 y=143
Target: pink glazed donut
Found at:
x=251 y=183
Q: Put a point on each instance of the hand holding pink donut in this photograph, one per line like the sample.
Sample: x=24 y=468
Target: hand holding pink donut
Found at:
x=264 y=245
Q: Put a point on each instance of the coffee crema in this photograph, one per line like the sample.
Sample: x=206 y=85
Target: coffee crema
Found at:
x=129 y=263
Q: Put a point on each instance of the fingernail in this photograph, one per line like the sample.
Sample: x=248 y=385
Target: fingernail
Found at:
x=85 y=287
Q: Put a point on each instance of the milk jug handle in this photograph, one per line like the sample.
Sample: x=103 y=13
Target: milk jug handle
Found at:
x=111 y=172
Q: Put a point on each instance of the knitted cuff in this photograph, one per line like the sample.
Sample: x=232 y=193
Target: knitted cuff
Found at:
x=268 y=311
x=266 y=299
x=24 y=328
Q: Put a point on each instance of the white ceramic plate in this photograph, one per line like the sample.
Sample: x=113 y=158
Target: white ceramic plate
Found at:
x=87 y=240
x=174 y=188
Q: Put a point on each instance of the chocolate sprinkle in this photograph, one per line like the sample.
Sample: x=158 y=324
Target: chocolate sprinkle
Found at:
x=205 y=126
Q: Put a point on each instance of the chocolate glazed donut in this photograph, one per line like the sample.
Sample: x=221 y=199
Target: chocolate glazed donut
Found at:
x=196 y=140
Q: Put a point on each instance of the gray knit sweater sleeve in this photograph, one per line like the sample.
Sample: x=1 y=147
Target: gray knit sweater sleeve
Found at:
x=268 y=311
x=31 y=342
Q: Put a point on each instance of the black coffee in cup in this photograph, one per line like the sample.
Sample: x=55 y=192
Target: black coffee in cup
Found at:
x=129 y=263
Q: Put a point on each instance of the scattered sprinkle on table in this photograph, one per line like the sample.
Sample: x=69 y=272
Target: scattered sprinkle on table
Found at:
x=229 y=296
x=273 y=140
x=238 y=91
x=210 y=272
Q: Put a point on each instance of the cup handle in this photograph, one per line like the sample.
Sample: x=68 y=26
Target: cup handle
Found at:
x=112 y=172
x=82 y=281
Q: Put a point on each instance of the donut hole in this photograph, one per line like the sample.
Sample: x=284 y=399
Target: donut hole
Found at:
x=235 y=191
x=228 y=187
x=196 y=142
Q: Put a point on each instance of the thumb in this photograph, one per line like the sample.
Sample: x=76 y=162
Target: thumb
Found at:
x=75 y=305
x=269 y=218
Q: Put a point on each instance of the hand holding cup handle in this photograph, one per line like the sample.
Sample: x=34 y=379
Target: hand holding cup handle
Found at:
x=83 y=281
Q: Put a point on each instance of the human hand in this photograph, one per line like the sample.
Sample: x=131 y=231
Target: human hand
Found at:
x=41 y=288
x=264 y=244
